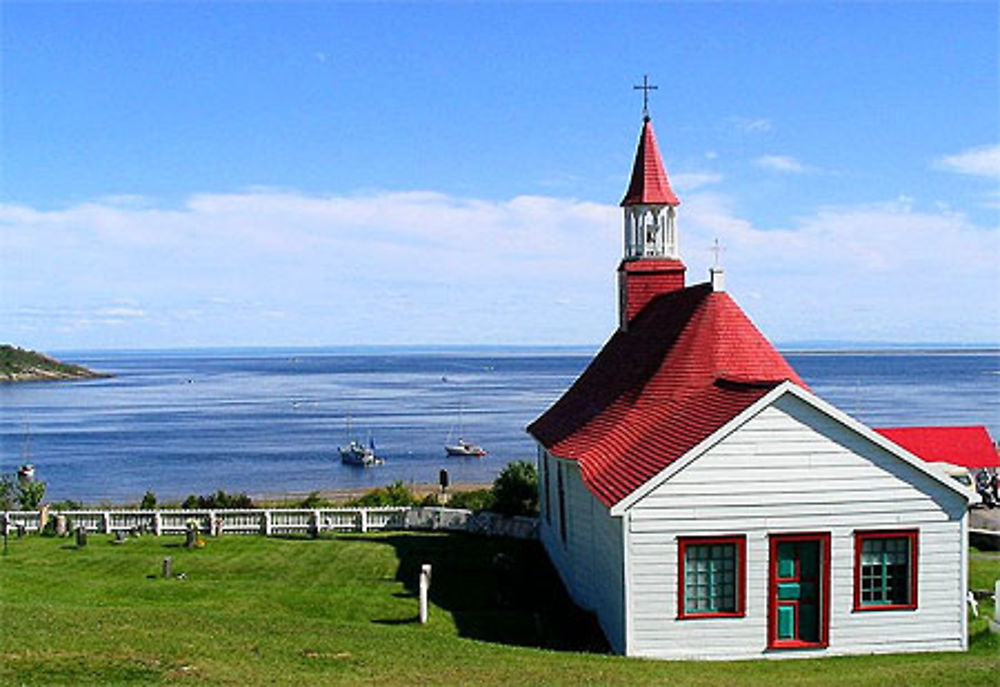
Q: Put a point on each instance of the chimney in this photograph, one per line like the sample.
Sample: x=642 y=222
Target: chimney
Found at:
x=717 y=276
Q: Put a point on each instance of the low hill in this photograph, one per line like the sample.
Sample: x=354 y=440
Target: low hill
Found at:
x=19 y=365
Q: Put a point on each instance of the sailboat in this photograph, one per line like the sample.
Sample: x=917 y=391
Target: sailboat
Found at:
x=462 y=447
x=26 y=473
x=356 y=453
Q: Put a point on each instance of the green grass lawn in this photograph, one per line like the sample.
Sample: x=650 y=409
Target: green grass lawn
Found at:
x=342 y=610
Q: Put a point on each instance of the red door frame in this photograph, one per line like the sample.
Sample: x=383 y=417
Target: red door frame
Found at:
x=772 y=592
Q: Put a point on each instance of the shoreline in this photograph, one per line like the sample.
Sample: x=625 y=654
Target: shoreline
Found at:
x=272 y=499
x=419 y=489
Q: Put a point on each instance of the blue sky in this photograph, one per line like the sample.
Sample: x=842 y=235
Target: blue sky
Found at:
x=199 y=174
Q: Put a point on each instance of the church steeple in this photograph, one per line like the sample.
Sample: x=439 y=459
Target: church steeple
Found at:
x=651 y=265
x=650 y=204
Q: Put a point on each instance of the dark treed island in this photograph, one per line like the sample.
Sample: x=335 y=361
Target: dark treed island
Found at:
x=20 y=365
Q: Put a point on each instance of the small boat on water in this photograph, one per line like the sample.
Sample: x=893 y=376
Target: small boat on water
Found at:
x=464 y=448
x=356 y=453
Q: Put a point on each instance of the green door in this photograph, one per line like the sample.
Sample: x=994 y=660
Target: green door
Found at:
x=797 y=583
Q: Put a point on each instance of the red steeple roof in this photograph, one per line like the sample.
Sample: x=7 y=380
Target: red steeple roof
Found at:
x=649 y=184
x=970 y=447
x=688 y=363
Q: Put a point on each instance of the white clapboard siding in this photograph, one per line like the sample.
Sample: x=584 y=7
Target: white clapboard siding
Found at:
x=792 y=468
x=590 y=561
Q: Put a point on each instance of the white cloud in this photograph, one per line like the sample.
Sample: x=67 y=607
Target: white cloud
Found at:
x=272 y=267
x=981 y=161
x=879 y=271
x=284 y=267
x=781 y=163
x=121 y=312
x=750 y=125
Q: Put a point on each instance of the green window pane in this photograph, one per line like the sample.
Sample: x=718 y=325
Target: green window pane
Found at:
x=786 y=622
x=710 y=578
x=885 y=571
x=788 y=591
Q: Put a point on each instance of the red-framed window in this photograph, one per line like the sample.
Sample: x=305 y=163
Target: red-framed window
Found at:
x=711 y=577
x=885 y=570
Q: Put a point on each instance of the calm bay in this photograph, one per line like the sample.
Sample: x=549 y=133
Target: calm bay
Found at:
x=269 y=421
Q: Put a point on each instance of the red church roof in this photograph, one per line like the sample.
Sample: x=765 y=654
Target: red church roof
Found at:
x=970 y=447
x=649 y=182
x=689 y=363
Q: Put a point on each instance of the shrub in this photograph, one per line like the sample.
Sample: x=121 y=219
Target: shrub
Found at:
x=8 y=493
x=67 y=504
x=475 y=500
x=30 y=493
x=148 y=501
x=219 y=499
x=515 y=490
x=313 y=500
x=396 y=494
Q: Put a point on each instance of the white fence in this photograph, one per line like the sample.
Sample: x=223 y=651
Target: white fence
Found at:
x=273 y=521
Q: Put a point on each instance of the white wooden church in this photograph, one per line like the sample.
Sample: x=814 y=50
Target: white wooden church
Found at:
x=704 y=503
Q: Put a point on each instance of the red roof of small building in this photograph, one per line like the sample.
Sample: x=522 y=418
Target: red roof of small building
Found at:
x=970 y=447
x=689 y=362
x=649 y=184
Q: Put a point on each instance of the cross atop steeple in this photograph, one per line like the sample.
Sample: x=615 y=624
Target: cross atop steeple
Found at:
x=716 y=275
x=645 y=88
x=717 y=252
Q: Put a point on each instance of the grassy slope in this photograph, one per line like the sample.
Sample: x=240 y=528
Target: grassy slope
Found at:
x=274 y=611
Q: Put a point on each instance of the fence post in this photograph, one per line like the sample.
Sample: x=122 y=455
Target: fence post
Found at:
x=363 y=519
x=265 y=523
x=106 y=522
x=157 y=523
x=316 y=524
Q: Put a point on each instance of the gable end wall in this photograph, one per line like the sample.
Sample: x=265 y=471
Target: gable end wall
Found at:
x=792 y=468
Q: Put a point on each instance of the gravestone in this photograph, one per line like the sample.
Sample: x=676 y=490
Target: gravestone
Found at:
x=81 y=536
x=191 y=536
x=60 y=525
x=168 y=566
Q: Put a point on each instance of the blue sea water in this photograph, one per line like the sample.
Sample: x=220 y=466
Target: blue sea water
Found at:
x=269 y=421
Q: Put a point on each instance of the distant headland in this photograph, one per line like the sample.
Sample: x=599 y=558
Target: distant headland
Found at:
x=19 y=365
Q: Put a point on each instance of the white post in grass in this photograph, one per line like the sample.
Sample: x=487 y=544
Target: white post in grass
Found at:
x=425 y=584
x=996 y=604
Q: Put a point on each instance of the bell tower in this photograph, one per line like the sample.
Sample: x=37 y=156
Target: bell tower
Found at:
x=651 y=264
